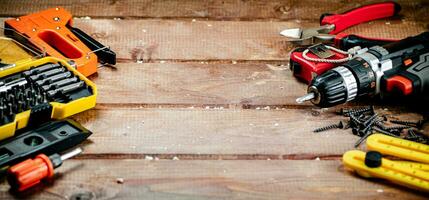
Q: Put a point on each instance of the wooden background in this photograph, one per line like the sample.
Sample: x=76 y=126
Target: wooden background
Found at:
x=202 y=104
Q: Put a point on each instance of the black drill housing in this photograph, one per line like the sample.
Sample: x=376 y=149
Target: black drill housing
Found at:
x=331 y=88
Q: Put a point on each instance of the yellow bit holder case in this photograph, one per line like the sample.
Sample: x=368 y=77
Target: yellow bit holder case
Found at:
x=59 y=110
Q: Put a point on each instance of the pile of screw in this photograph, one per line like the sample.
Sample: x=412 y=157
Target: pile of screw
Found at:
x=365 y=121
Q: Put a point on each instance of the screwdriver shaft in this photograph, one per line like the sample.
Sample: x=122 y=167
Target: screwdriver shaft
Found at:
x=70 y=154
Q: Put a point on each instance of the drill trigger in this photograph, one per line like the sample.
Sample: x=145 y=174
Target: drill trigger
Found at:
x=399 y=83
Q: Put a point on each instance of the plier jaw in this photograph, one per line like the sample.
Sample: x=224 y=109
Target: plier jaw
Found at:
x=309 y=36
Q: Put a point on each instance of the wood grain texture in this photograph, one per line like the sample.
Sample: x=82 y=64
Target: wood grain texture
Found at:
x=165 y=179
x=207 y=41
x=187 y=84
x=283 y=133
x=196 y=84
x=219 y=10
x=149 y=40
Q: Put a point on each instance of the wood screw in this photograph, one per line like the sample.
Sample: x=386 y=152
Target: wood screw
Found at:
x=358 y=111
x=408 y=123
x=333 y=126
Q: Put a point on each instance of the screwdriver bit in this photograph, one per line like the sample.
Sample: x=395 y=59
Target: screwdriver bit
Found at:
x=60 y=83
x=66 y=89
x=54 y=78
x=47 y=74
x=41 y=69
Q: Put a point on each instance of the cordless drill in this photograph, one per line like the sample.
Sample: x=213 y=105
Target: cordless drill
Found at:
x=400 y=67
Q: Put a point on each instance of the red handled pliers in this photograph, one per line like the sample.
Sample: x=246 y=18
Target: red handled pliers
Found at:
x=332 y=24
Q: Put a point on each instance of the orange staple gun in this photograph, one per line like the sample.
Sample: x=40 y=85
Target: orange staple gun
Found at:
x=51 y=31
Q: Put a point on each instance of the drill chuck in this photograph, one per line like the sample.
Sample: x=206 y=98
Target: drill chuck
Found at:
x=344 y=83
x=334 y=87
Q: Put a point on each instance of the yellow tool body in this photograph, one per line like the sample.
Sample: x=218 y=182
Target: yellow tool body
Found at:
x=59 y=110
x=412 y=171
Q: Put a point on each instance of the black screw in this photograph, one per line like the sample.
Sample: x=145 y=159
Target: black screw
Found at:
x=370 y=121
x=408 y=123
x=411 y=133
x=363 y=138
x=416 y=136
x=355 y=131
x=344 y=111
x=357 y=111
x=396 y=128
x=380 y=125
x=339 y=125
x=385 y=132
x=346 y=124
x=354 y=121
x=367 y=131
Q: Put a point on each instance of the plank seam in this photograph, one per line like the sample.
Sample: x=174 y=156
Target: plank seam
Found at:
x=108 y=106
x=184 y=18
x=188 y=18
x=209 y=156
x=205 y=61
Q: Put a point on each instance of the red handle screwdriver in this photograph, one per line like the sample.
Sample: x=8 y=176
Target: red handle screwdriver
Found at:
x=30 y=172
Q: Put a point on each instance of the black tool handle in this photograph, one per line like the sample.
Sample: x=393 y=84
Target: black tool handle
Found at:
x=345 y=42
x=105 y=55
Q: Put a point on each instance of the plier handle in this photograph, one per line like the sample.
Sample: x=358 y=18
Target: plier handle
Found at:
x=332 y=24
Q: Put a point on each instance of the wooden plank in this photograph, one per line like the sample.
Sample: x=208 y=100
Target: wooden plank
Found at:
x=283 y=133
x=223 y=10
x=186 y=84
x=186 y=40
x=98 y=179
x=179 y=40
x=196 y=84
x=151 y=40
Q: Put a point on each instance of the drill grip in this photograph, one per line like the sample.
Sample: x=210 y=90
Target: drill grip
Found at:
x=410 y=74
x=410 y=79
x=420 y=73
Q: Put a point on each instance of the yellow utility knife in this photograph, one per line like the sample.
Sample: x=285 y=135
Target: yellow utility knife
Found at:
x=412 y=171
